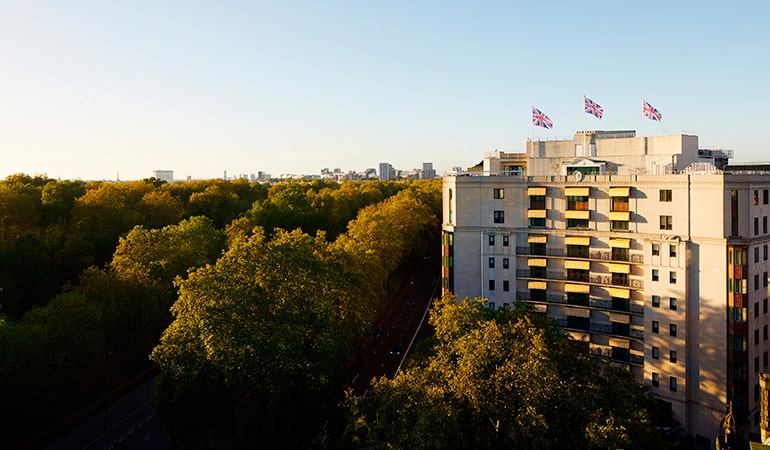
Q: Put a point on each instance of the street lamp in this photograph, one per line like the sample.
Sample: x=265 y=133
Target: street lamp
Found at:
x=107 y=357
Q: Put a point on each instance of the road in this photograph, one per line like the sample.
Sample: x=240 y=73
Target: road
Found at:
x=127 y=424
x=404 y=324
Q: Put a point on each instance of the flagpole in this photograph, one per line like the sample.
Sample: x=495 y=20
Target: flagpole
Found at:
x=584 y=126
x=643 y=117
x=533 y=130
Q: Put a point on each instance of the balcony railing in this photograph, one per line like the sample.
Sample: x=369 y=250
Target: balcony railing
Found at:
x=604 y=280
x=607 y=304
x=597 y=255
x=603 y=328
x=607 y=353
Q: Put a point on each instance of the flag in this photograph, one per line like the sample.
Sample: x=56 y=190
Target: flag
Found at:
x=593 y=108
x=650 y=112
x=540 y=119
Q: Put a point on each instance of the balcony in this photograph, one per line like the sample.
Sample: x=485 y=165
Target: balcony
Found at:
x=626 y=358
x=603 y=280
x=596 y=255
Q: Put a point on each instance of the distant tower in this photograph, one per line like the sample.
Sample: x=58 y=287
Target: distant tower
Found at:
x=387 y=172
x=428 y=172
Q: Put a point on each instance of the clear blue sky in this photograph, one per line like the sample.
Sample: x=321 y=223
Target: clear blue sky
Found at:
x=92 y=89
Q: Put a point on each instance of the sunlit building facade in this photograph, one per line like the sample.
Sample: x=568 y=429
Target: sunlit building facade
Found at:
x=649 y=251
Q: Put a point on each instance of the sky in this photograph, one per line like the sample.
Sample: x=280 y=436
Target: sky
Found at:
x=97 y=90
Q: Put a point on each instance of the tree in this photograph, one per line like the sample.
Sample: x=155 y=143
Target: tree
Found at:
x=258 y=343
x=160 y=208
x=502 y=379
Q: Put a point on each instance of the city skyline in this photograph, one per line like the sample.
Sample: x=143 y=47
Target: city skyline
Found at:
x=96 y=91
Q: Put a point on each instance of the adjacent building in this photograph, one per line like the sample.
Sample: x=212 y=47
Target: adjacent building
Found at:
x=650 y=251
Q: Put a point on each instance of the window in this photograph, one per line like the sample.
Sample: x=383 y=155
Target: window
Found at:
x=665 y=195
x=764 y=224
x=756 y=226
x=619 y=254
x=536 y=248
x=537 y=202
x=537 y=222
x=756 y=254
x=491 y=263
x=672 y=384
x=756 y=336
x=672 y=303
x=578 y=251
x=756 y=309
x=655 y=379
x=491 y=285
x=499 y=193
x=764 y=279
x=656 y=301
x=764 y=333
x=506 y=240
x=764 y=252
x=577 y=203
x=737 y=342
x=655 y=249
x=577 y=223
x=672 y=250
x=506 y=263
x=737 y=314
x=756 y=197
x=672 y=277
x=672 y=330
x=672 y=356
x=656 y=327
x=655 y=352
x=756 y=364
x=491 y=239
x=506 y=285
x=618 y=225
x=499 y=217
x=764 y=359
x=764 y=197
x=756 y=282
x=619 y=204
x=764 y=306
x=655 y=275
x=756 y=391
x=666 y=223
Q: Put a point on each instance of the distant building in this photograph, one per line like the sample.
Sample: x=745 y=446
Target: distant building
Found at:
x=650 y=252
x=427 y=172
x=387 y=172
x=164 y=175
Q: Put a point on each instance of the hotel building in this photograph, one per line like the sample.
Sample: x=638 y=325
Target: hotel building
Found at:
x=649 y=251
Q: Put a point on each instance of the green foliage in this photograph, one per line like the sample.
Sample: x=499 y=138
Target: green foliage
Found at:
x=265 y=324
x=502 y=379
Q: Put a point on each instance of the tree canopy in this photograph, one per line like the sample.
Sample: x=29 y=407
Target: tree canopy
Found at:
x=502 y=379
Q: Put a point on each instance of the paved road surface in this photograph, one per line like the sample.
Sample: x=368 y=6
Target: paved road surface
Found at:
x=127 y=424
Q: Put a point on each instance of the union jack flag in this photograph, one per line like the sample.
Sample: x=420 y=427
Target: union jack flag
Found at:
x=539 y=119
x=593 y=108
x=650 y=112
